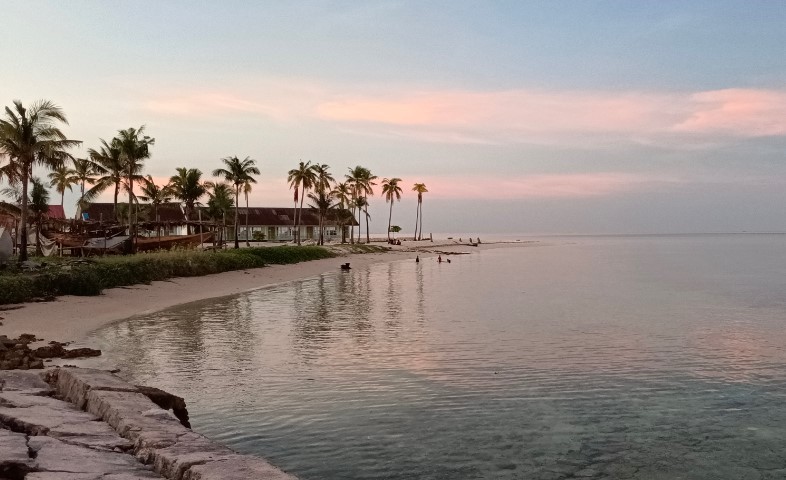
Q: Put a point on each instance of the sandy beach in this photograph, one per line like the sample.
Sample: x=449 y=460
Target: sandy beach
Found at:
x=71 y=318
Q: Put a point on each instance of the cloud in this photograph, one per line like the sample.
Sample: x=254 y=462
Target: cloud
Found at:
x=550 y=117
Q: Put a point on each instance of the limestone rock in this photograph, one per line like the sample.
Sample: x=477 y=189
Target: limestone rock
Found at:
x=14 y=458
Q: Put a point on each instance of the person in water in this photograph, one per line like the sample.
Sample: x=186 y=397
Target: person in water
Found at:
x=439 y=259
x=417 y=258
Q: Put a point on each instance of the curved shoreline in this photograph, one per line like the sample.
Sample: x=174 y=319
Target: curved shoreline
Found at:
x=72 y=319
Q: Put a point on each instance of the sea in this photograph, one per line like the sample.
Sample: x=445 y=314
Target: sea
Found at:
x=614 y=357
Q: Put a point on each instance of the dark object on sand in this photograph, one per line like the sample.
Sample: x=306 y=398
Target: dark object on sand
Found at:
x=345 y=266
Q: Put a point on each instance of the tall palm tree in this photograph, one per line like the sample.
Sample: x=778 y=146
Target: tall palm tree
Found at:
x=421 y=189
x=323 y=203
x=304 y=177
x=219 y=204
x=246 y=190
x=392 y=192
x=362 y=182
x=39 y=206
x=84 y=171
x=361 y=202
x=62 y=178
x=155 y=195
x=237 y=172
x=29 y=136
x=187 y=187
x=109 y=166
x=135 y=148
x=343 y=194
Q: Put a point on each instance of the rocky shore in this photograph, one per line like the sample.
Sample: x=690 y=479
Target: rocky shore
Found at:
x=85 y=424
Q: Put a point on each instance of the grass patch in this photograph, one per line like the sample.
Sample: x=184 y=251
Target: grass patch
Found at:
x=64 y=277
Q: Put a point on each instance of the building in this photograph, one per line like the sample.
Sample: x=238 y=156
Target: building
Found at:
x=264 y=223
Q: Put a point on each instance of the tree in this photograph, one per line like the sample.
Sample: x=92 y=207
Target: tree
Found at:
x=31 y=136
x=155 y=195
x=343 y=193
x=323 y=203
x=84 y=171
x=237 y=172
x=39 y=206
x=362 y=182
x=62 y=178
x=360 y=203
x=392 y=192
x=109 y=166
x=134 y=149
x=421 y=189
x=187 y=187
x=219 y=204
x=246 y=190
x=304 y=177
x=394 y=229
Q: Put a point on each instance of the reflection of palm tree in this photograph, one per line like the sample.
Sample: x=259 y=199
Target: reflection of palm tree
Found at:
x=237 y=172
x=301 y=177
x=392 y=192
x=62 y=178
x=421 y=189
x=29 y=136
x=187 y=187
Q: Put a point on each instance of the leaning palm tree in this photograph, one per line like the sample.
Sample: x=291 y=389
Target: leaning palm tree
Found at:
x=62 y=178
x=237 y=172
x=187 y=186
x=343 y=193
x=392 y=192
x=304 y=177
x=421 y=189
x=154 y=194
x=29 y=136
x=135 y=148
x=39 y=206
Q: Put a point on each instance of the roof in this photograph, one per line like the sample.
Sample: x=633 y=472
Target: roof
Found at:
x=271 y=217
x=167 y=212
x=56 y=212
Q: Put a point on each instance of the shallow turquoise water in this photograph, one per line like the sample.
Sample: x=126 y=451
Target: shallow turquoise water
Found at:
x=586 y=357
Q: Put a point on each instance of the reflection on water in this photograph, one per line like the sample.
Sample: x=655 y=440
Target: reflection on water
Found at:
x=601 y=358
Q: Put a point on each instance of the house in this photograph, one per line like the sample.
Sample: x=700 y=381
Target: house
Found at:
x=55 y=212
x=264 y=223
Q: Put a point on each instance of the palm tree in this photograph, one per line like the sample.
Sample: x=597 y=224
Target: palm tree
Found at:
x=359 y=203
x=60 y=178
x=392 y=192
x=39 y=206
x=84 y=171
x=323 y=203
x=246 y=190
x=304 y=177
x=237 y=172
x=421 y=189
x=362 y=182
x=219 y=204
x=187 y=187
x=29 y=136
x=343 y=193
x=135 y=148
x=108 y=164
x=155 y=195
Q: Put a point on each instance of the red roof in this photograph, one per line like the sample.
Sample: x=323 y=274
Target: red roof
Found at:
x=56 y=212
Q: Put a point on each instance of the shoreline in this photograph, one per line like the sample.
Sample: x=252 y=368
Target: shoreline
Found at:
x=71 y=318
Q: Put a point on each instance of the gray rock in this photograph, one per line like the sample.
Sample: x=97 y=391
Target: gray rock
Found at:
x=14 y=458
x=56 y=456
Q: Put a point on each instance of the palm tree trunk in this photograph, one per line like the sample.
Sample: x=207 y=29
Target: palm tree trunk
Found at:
x=352 y=226
x=390 y=218
x=300 y=213
x=38 y=251
x=421 y=221
x=368 y=237
x=23 y=226
x=417 y=215
x=248 y=244
x=237 y=201
x=130 y=205
x=114 y=205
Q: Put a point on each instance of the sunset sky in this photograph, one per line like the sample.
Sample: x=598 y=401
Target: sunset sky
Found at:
x=520 y=117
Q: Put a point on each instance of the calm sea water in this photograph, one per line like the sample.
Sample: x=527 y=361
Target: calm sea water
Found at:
x=588 y=357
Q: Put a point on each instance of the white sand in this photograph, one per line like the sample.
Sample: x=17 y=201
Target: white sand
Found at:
x=71 y=318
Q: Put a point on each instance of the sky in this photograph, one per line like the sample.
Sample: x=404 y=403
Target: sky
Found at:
x=519 y=116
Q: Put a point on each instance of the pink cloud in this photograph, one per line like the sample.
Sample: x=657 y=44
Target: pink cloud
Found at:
x=737 y=112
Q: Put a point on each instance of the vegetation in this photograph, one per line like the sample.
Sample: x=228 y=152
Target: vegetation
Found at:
x=301 y=177
x=238 y=173
x=392 y=192
x=420 y=188
x=108 y=272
